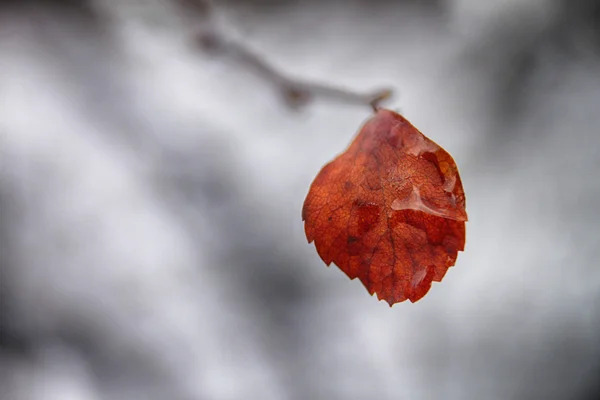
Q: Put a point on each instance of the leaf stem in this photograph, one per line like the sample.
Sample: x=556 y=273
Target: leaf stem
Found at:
x=296 y=92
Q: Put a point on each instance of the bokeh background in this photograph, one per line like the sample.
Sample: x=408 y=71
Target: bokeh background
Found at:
x=151 y=244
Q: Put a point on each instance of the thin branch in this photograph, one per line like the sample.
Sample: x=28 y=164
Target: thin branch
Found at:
x=296 y=92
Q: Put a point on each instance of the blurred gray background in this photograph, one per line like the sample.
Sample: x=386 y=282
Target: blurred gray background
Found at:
x=151 y=244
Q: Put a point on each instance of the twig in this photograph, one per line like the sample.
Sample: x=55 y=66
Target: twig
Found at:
x=296 y=92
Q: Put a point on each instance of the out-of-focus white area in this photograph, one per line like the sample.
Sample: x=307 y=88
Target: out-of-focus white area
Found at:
x=150 y=196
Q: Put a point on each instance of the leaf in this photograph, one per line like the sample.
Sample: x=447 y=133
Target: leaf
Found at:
x=389 y=211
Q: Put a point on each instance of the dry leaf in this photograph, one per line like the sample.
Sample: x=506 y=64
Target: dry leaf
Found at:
x=390 y=210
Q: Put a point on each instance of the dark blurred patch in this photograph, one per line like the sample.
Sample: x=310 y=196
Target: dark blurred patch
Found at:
x=591 y=384
x=512 y=57
x=12 y=339
x=117 y=366
x=277 y=295
x=197 y=176
x=79 y=8
x=200 y=179
x=272 y=6
x=581 y=20
x=508 y=58
x=283 y=3
x=267 y=274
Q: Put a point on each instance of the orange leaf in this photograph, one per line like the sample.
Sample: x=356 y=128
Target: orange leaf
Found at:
x=390 y=210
